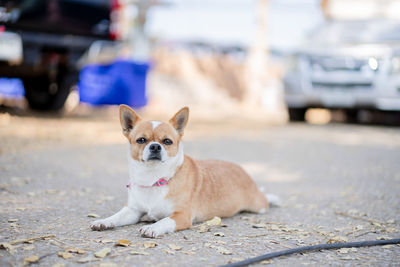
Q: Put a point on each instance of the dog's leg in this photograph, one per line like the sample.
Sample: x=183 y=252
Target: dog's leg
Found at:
x=177 y=221
x=123 y=217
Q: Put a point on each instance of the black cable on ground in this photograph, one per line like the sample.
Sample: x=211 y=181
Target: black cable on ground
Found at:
x=312 y=248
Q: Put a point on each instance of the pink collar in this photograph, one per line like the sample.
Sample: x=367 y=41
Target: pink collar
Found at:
x=160 y=182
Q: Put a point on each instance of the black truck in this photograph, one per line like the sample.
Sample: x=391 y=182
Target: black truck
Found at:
x=41 y=42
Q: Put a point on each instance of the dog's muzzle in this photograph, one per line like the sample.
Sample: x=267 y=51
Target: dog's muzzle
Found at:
x=155 y=152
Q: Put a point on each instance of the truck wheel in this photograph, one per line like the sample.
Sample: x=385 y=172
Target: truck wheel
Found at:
x=43 y=95
x=297 y=114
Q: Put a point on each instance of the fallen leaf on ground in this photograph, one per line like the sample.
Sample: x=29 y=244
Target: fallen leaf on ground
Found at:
x=31 y=259
x=123 y=243
x=65 y=255
x=93 y=215
x=149 y=244
x=219 y=234
x=259 y=225
x=86 y=259
x=224 y=251
x=102 y=253
x=106 y=241
x=169 y=251
x=387 y=246
x=214 y=221
x=58 y=264
x=221 y=242
x=8 y=247
x=266 y=262
x=12 y=220
x=76 y=250
x=139 y=252
x=174 y=247
x=337 y=239
x=343 y=250
x=383 y=238
x=235 y=260
x=189 y=252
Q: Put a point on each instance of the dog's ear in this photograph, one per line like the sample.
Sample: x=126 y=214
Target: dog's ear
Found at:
x=180 y=119
x=128 y=119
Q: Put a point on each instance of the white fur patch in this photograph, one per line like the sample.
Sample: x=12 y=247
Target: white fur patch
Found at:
x=147 y=173
x=164 y=226
x=155 y=124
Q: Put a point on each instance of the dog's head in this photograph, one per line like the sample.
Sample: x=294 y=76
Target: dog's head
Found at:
x=153 y=141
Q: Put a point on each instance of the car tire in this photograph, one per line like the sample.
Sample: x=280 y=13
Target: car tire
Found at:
x=297 y=114
x=41 y=96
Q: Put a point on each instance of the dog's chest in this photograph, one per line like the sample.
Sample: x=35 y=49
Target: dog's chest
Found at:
x=151 y=201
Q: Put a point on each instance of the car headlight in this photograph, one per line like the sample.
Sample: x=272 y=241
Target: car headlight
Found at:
x=395 y=69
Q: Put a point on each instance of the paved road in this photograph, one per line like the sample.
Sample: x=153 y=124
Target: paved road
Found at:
x=337 y=183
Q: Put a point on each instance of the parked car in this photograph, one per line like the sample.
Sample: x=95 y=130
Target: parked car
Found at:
x=348 y=65
x=41 y=42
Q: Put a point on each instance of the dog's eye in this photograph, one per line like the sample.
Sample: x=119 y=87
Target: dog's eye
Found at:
x=141 y=140
x=167 y=141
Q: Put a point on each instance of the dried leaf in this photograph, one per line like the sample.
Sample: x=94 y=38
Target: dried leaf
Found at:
x=106 y=241
x=169 y=251
x=343 y=250
x=174 y=247
x=139 y=252
x=86 y=259
x=223 y=251
x=8 y=247
x=214 y=221
x=189 y=252
x=266 y=262
x=337 y=239
x=383 y=238
x=12 y=220
x=149 y=244
x=259 y=225
x=58 y=264
x=387 y=246
x=221 y=242
x=102 y=253
x=219 y=234
x=65 y=255
x=31 y=259
x=93 y=215
x=76 y=250
x=123 y=243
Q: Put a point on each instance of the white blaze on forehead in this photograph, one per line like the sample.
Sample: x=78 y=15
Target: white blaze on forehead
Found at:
x=155 y=124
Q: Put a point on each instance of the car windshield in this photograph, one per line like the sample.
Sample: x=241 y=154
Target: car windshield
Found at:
x=339 y=32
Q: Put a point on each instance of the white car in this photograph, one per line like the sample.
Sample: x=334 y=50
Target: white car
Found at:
x=348 y=65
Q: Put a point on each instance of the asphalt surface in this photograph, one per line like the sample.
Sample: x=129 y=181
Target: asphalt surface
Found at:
x=337 y=182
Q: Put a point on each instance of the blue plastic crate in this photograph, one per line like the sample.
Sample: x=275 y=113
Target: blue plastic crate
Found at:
x=121 y=82
x=11 y=88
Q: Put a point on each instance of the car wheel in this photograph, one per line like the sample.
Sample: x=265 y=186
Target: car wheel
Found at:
x=297 y=114
x=41 y=94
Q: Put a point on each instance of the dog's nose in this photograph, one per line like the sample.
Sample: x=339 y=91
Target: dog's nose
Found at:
x=155 y=148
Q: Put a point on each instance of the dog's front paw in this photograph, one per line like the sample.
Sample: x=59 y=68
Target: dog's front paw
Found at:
x=149 y=231
x=164 y=226
x=101 y=225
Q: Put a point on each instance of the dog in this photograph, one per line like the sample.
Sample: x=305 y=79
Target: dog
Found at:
x=173 y=189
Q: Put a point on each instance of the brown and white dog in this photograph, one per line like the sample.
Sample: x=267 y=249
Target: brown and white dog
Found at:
x=171 y=188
